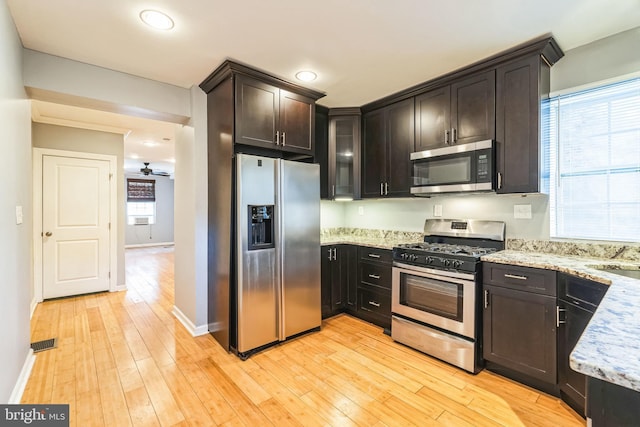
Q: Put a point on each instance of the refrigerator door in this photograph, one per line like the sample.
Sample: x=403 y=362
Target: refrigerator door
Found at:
x=299 y=256
x=258 y=292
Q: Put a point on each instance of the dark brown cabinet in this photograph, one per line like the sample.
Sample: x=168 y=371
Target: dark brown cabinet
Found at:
x=374 y=286
x=270 y=117
x=388 y=140
x=338 y=279
x=459 y=113
x=519 y=324
x=611 y=405
x=344 y=153
x=521 y=87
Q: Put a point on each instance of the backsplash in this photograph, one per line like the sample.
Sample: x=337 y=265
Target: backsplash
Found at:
x=615 y=251
x=328 y=233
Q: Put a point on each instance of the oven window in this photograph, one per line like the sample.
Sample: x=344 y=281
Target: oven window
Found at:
x=432 y=296
x=453 y=170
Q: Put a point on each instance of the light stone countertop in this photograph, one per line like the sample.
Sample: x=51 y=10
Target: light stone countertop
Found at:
x=381 y=239
x=609 y=348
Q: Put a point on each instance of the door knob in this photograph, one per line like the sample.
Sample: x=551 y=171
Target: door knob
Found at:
x=48 y=234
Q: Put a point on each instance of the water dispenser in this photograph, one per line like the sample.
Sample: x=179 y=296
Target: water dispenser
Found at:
x=261 y=227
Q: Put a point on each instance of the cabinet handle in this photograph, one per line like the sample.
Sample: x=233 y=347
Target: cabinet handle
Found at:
x=329 y=254
x=382 y=188
x=334 y=190
x=374 y=256
x=375 y=304
x=558 y=321
x=278 y=137
x=516 y=276
x=453 y=135
x=499 y=180
x=446 y=137
x=284 y=138
x=335 y=251
x=486 y=298
x=374 y=276
x=386 y=188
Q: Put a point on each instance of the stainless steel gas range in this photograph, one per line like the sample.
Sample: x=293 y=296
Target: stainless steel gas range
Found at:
x=436 y=287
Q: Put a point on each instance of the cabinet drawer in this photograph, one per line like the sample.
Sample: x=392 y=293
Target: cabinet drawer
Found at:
x=521 y=278
x=375 y=274
x=375 y=306
x=375 y=254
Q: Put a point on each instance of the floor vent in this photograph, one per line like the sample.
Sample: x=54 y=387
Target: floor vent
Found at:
x=44 y=345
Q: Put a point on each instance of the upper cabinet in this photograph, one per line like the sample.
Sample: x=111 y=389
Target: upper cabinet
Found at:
x=269 y=113
x=388 y=140
x=344 y=153
x=461 y=112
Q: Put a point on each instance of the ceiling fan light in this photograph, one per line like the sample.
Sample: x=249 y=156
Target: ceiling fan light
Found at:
x=156 y=19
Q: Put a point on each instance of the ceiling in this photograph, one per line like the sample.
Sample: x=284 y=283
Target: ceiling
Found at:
x=361 y=50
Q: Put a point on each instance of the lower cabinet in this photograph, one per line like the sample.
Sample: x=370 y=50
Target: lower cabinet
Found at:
x=374 y=286
x=339 y=274
x=611 y=405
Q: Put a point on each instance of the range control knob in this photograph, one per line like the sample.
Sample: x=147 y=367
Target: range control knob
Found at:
x=413 y=257
x=403 y=256
x=429 y=260
x=457 y=264
x=447 y=263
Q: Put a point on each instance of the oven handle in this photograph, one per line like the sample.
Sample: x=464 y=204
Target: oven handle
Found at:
x=433 y=273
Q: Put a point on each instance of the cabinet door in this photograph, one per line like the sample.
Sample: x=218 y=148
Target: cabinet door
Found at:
x=473 y=108
x=344 y=156
x=520 y=332
x=373 y=154
x=400 y=133
x=321 y=147
x=572 y=384
x=518 y=125
x=326 y=280
x=296 y=122
x=257 y=112
x=433 y=121
x=349 y=276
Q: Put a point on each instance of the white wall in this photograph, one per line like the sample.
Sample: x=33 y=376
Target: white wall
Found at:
x=162 y=230
x=15 y=190
x=90 y=141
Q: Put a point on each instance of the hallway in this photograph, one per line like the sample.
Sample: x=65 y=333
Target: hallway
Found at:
x=123 y=359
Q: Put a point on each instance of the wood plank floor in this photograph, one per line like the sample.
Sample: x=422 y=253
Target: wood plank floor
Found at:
x=123 y=359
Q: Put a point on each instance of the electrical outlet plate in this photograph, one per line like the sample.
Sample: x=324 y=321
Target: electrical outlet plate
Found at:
x=437 y=210
x=360 y=210
x=522 y=211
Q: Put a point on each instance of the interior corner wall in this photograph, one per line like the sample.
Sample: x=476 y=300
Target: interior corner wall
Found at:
x=15 y=186
x=162 y=230
x=90 y=141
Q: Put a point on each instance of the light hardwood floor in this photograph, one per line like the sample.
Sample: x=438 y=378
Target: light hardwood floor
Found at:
x=123 y=359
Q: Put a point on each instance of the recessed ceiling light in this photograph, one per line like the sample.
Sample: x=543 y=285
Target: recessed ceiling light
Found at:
x=306 y=76
x=134 y=156
x=156 y=19
x=149 y=143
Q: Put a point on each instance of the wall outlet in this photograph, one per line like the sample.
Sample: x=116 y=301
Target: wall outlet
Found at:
x=19 y=216
x=437 y=210
x=522 y=211
x=360 y=210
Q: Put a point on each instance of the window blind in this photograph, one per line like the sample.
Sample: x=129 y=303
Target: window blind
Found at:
x=141 y=190
x=594 y=140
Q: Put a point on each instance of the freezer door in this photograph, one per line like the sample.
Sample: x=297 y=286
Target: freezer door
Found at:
x=258 y=293
x=299 y=257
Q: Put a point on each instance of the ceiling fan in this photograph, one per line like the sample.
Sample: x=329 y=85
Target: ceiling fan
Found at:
x=146 y=171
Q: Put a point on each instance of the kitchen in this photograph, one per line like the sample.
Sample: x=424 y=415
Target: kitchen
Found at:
x=351 y=217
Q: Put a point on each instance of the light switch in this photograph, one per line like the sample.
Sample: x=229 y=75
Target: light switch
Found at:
x=522 y=211
x=19 y=215
x=437 y=210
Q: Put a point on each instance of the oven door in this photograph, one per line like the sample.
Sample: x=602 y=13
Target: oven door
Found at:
x=442 y=299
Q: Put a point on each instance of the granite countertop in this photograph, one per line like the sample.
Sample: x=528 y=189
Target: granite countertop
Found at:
x=382 y=239
x=609 y=347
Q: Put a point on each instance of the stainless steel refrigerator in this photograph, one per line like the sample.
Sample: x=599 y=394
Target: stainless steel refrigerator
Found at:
x=277 y=262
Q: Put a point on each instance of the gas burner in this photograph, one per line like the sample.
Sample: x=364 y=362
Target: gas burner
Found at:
x=444 y=248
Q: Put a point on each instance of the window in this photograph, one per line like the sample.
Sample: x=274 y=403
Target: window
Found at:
x=141 y=201
x=594 y=180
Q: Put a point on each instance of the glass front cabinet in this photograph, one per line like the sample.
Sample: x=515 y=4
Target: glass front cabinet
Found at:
x=344 y=153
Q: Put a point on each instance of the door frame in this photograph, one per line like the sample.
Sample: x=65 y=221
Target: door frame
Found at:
x=38 y=157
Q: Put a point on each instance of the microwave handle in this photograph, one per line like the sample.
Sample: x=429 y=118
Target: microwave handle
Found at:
x=499 y=180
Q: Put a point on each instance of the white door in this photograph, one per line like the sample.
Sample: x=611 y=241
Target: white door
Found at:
x=75 y=226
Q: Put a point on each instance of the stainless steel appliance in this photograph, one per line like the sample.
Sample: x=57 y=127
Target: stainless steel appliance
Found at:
x=435 y=289
x=456 y=168
x=277 y=292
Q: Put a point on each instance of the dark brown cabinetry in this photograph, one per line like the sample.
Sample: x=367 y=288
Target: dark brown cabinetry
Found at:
x=577 y=301
x=344 y=153
x=519 y=324
x=321 y=144
x=459 y=113
x=339 y=277
x=374 y=286
x=521 y=88
x=388 y=140
x=611 y=405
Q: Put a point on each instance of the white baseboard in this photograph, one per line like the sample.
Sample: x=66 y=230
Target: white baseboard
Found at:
x=149 y=245
x=188 y=324
x=34 y=304
x=120 y=288
x=21 y=383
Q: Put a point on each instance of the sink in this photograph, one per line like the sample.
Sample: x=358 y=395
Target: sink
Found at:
x=634 y=274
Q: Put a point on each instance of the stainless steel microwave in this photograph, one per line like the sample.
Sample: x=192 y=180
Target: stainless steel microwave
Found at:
x=457 y=168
